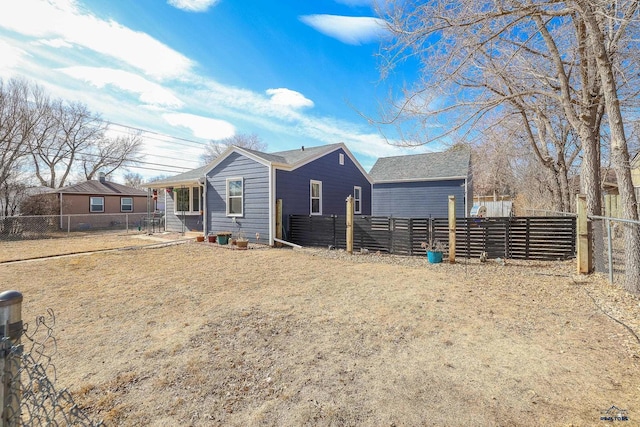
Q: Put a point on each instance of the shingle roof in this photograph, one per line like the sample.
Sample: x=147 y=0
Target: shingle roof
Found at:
x=289 y=157
x=95 y=186
x=422 y=167
x=188 y=176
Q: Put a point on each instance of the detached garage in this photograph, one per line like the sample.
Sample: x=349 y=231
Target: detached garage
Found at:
x=419 y=185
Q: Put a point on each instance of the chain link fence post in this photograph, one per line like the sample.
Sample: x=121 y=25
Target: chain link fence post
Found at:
x=11 y=327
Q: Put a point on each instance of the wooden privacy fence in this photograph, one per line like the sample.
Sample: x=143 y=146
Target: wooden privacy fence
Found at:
x=535 y=238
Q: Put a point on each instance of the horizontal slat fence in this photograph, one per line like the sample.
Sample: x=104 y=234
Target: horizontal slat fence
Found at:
x=535 y=238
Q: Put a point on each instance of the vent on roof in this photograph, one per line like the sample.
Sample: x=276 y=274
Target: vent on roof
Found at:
x=303 y=148
x=101 y=177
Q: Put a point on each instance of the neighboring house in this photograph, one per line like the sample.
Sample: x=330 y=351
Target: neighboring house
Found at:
x=238 y=191
x=96 y=197
x=418 y=185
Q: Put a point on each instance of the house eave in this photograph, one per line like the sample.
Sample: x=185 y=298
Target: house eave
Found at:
x=166 y=184
x=442 y=178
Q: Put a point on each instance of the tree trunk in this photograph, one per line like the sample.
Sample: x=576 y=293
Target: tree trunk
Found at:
x=619 y=150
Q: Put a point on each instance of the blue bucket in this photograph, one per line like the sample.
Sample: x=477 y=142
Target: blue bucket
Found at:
x=434 y=257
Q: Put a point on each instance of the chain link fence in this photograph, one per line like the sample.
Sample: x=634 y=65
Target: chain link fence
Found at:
x=608 y=245
x=29 y=395
x=53 y=226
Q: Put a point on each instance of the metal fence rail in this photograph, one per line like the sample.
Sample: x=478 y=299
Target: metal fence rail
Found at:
x=53 y=226
x=28 y=394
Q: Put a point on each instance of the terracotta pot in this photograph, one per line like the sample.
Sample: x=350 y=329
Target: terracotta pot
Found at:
x=199 y=238
x=242 y=244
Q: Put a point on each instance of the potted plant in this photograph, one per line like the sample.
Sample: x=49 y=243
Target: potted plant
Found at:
x=223 y=237
x=212 y=238
x=242 y=242
x=199 y=238
x=435 y=249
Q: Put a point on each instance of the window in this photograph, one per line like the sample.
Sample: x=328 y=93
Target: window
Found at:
x=316 y=197
x=188 y=199
x=196 y=199
x=235 y=193
x=182 y=199
x=126 y=204
x=357 y=200
x=96 y=204
x=341 y=159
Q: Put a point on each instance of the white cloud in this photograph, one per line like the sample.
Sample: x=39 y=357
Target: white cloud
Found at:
x=201 y=127
x=63 y=20
x=149 y=92
x=57 y=43
x=354 y=30
x=193 y=5
x=288 y=98
x=11 y=57
x=124 y=81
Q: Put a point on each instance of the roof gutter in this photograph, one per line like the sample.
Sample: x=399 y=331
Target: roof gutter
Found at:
x=390 y=181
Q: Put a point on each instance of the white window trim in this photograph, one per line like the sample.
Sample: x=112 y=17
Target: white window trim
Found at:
x=226 y=200
x=311 y=197
x=359 y=199
x=121 y=205
x=341 y=159
x=190 y=201
x=91 y=204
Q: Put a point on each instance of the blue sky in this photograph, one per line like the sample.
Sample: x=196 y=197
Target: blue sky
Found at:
x=294 y=72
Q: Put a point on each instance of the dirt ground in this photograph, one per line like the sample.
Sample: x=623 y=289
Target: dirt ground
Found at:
x=195 y=334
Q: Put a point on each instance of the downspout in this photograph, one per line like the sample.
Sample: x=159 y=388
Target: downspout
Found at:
x=272 y=204
x=203 y=208
x=466 y=196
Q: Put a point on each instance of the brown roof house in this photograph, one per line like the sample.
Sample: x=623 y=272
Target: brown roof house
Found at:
x=101 y=204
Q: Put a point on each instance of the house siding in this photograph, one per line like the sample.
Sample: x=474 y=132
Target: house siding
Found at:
x=178 y=222
x=293 y=187
x=255 y=218
x=419 y=199
x=74 y=204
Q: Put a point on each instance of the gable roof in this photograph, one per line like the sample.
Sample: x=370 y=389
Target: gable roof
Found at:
x=95 y=186
x=287 y=160
x=422 y=167
x=290 y=158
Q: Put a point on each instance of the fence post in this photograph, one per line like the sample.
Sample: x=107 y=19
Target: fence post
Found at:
x=584 y=257
x=11 y=327
x=279 y=221
x=350 y=224
x=452 y=229
x=68 y=224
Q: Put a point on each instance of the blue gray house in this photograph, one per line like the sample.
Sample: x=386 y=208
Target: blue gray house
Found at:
x=238 y=191
x=418 y=185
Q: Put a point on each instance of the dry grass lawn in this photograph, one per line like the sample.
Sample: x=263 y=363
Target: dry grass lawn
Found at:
x=194 y=334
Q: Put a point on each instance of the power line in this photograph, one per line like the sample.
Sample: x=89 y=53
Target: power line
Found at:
x=155 y=133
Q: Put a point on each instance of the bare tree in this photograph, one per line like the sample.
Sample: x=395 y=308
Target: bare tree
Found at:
x=16 y=125
x=133 y=179
x=59 y=141
x=513 y=57
x=109 y=154
x=215 y=148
